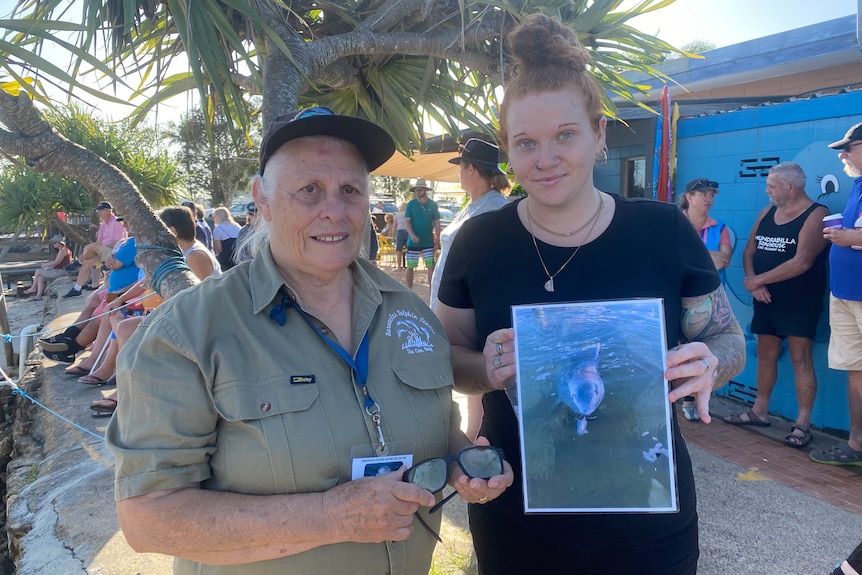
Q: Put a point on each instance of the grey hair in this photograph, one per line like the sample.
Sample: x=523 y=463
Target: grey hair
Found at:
x=790 y=173
x=258 y=238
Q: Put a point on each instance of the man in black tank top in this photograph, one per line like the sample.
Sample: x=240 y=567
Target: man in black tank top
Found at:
x=785 y=271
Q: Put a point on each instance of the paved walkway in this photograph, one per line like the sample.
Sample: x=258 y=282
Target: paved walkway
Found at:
x=763 y=449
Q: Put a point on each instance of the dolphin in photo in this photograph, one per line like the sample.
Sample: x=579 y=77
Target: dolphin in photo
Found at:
x=580 y=387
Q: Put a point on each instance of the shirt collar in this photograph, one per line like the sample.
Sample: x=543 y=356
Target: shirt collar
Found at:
x=265 y=281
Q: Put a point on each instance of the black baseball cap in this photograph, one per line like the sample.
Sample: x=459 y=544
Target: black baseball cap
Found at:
x=104 y=206
x=854 y=134
x=699 y=184
x=374 y=143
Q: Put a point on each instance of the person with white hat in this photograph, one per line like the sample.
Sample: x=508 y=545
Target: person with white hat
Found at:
x=845 y=302
x=422 y=221
x=51 y=270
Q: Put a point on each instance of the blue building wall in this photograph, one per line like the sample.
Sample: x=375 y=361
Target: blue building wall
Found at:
x=737 y=149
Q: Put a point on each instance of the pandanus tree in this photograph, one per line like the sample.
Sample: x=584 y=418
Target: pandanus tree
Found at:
x=412 y=66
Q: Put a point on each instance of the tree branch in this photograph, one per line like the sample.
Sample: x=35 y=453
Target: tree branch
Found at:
x=390 y=14
x=46 y=150
x=325 y=51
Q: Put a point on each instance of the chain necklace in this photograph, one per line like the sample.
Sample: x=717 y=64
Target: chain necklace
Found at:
x=573 y=232
x=549 y=285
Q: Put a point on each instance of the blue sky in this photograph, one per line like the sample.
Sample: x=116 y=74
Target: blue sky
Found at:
x=725 y=22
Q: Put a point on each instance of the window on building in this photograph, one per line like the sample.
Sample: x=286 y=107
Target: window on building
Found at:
x=634 y=177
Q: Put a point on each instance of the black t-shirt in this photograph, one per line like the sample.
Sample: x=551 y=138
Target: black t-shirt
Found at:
x=649 y=250
x=776 y=244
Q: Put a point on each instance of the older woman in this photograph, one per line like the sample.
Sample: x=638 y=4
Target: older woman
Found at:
x=51 y=270
x=568 y=242
x=261 y=421
x=225 y=236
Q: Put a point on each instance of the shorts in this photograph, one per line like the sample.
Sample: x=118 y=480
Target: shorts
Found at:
x=782 y=324
x=413 y=257
x=845 y=341
x=51 y=273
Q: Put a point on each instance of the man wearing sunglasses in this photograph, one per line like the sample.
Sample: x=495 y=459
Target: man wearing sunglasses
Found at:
x=254 y=407
x=845 y=302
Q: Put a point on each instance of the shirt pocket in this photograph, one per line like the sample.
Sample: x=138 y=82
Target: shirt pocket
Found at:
x=427 y=389
x=270 y=438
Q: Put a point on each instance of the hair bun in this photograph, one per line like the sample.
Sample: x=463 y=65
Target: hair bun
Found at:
x=541 y=41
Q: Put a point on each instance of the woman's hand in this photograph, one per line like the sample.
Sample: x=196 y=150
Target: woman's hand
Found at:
x=374 y=509
x=499 y=354
x=691 y=370
x=477 y=490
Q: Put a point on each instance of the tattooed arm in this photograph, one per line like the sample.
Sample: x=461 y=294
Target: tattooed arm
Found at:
x=713 y=350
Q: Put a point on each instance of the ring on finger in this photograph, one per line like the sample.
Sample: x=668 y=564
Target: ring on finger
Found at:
x=705 y=363
x=484 y=499
x=498 y=362
x=499 y=349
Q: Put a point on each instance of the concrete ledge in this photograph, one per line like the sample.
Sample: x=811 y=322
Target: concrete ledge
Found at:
x=60 y=499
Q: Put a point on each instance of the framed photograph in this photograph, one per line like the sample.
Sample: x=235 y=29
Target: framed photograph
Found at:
x=593 y=413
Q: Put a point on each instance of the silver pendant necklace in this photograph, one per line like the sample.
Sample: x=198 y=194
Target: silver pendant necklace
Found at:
x=549 y=285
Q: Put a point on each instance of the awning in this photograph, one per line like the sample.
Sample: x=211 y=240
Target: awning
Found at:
x=434 y=167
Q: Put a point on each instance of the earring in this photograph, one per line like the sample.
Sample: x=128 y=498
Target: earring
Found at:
x=602 y=157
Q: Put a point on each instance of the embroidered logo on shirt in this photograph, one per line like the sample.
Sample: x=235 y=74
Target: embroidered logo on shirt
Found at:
x=412 y=331
x=301 y=379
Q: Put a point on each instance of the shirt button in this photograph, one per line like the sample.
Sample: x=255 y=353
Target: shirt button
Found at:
x=265 y=406
x=324 y=330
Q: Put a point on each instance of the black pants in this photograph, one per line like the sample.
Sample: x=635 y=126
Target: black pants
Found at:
x=519 y=552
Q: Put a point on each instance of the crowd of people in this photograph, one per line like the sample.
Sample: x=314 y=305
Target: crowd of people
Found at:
x=118 y=304
x=268 y=417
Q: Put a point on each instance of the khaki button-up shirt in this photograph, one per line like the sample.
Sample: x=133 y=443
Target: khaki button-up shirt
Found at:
x=214 y=390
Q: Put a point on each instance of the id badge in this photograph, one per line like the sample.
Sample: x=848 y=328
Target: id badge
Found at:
x=366 y=464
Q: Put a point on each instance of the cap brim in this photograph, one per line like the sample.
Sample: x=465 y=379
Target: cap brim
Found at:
x=841 y=143
x=374 y=143
x=494 y=168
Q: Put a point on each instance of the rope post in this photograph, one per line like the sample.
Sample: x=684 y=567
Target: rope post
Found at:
x=4 y=325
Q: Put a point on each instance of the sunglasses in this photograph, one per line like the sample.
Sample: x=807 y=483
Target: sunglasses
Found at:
x=848 y=147
x=432 y=474
x=704 y=183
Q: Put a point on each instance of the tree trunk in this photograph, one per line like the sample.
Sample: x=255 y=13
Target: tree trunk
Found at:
x=44 y=150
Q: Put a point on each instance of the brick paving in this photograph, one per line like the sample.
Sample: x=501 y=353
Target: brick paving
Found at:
x=763 y=449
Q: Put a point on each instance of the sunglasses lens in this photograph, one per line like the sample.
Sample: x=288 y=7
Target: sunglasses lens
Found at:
x=481 y=462
x=431 y=474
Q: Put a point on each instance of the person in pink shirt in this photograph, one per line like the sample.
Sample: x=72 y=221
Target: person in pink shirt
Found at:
x=111 y=231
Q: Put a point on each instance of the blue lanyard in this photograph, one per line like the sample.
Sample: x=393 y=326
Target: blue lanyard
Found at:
x=359 y=365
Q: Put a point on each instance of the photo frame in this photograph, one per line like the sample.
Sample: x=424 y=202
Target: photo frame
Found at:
x=595 y=424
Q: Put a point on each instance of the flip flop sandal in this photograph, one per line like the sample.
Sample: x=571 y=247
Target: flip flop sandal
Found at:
x=794 y=439
x=99 y=410
x=837 y=455
x=752 y=419
x=77 y=371
x=92 y=380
